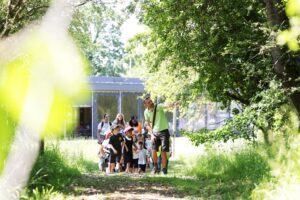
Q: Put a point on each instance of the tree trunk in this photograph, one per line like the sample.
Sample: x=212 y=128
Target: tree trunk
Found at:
x=42 y=147
x=265 y=134
x=266 y=137
x=278 y=19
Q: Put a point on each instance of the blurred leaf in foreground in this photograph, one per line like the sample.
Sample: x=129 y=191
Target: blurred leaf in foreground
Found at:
x=42 y=74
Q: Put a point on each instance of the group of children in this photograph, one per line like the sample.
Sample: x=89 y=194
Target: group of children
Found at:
x=128 y=151
x=125 y=148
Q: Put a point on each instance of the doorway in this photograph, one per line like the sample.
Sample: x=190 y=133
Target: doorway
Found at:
x=84 y=122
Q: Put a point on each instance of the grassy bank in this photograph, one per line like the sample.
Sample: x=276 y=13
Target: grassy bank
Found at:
x=56 y=171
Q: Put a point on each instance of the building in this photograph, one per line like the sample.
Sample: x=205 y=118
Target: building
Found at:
x=114 y=95
x=110 y=95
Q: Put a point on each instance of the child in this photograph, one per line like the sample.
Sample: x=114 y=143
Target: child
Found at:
x=136 y=125
x=148 y=145
x=143 y=154
x=101 y=155
x=115 y=143
x=128 y=157
x=104 y=152
x=140 y=138
x=135 y=154
x=122 y=167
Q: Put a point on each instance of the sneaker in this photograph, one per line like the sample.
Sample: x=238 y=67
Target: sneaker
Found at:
x=154 y=170
x=165 y=171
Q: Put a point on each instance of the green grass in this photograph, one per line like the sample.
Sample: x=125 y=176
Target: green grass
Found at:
x=230 y=175
x=52 y=169
x=245 y=164
x=210 y=175
x=55 y=171
x=84 y=165
x=285 y=170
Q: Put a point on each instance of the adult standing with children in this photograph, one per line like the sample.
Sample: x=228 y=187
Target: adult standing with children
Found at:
x=157 y=124
x=103 y=126
x=120 y=121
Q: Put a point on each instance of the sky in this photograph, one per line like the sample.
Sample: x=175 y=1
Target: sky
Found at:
x=130 y=28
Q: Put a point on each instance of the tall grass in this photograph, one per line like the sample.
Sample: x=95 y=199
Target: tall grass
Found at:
x=55 y=171
x=246 y=164
x=285 y=164
x=231 y=175
x=215 y=172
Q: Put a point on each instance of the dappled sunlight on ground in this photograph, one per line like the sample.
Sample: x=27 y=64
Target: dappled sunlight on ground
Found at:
x=124 y=186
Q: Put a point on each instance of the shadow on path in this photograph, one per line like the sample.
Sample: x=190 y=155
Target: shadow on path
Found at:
x=134 y=186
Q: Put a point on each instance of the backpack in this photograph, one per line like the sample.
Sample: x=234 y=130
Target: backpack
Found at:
x=102 y=124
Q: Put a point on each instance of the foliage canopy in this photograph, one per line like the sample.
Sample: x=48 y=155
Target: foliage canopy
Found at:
x=227 y=52
x=96 y=28
x=230 y=47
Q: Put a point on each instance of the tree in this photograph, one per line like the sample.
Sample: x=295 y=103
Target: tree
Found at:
x=228 y=52
x=164 y=86
x=234 y=55
x=15 y=14
x=96 y=28
x=286 y=63
x=160 y=83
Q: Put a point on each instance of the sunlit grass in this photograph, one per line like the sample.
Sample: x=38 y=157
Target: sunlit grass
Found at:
x=56 y=171
x=285 y=165
x=53 y=169
x=215 y=172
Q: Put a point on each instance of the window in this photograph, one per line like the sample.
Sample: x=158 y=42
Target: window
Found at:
x=129 y=106
x=108 y=104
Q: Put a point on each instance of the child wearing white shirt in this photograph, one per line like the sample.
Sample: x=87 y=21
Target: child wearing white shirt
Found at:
x=143 y=154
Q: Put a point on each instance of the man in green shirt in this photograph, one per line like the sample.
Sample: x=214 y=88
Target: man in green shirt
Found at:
x=159 y=131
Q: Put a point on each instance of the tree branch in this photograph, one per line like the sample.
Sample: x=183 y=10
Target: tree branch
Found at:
x=83 y=3
x=97 y=1
x=16 y=13
x=32 y=12
x=12 y=11
x=237 y=98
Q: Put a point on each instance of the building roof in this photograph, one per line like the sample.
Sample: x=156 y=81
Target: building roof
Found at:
x=100 y=83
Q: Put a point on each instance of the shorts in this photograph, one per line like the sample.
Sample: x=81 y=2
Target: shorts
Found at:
x=128 y=158
x=135 y=163
x=142 y=167
x=162 y=139
x=114 y=158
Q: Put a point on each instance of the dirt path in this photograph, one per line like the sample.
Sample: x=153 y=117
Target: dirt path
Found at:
x=123 y=186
